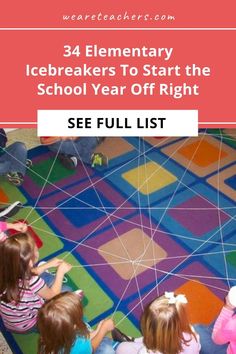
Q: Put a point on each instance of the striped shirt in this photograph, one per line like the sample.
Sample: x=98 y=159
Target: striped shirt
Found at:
x=23 y=316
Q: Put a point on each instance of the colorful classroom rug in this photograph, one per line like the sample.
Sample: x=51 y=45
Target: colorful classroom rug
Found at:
x=160 y=218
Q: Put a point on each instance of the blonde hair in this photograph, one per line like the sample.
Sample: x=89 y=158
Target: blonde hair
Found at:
x=163 y=324
x=60 y=321
x=16 y=252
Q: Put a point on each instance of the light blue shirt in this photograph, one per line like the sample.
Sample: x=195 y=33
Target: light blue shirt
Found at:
x=82 y=345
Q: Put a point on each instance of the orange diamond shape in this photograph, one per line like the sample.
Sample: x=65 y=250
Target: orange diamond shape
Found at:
x=202 y=153
x=3 y=197
x=204 y=306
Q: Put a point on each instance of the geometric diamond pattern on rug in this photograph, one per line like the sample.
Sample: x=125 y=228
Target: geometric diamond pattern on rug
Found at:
x=202 y=153
x=201 y=301
x=231 y=258
x=43 y=170
x=231 y=181
x=225 y=181
x=137 y=259
x=160 y=217
x=198 y=215
x=149 y=178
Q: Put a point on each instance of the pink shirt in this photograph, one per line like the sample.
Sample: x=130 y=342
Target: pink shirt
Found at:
x=3 y=228
x=224 y=330
x=137 y=347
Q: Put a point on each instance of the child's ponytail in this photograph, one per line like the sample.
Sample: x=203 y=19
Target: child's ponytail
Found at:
x=16 y=253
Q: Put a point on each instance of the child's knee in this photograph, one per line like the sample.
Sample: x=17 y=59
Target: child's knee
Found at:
x=22 y=147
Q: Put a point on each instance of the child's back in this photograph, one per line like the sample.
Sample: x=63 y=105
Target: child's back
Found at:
x=165 y=328
x=62 y=329
x=22 y=316
x=22 y=291
x=18 y=287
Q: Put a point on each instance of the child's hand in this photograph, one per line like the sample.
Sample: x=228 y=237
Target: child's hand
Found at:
x=55 y=262
x=19 y=226
x=64 y=267
x=228 y=304
x=99 y=325
x=107 y=325
x=103 y=327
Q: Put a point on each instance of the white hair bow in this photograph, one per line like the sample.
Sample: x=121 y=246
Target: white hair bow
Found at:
x=173 y=299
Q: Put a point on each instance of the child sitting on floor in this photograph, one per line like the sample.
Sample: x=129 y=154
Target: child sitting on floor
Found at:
x=13 y=160
x=22 y=291
x=165 y=328
x=70 y=149
x=63 y=330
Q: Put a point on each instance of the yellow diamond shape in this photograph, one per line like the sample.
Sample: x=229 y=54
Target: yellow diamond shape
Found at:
x=149 y=178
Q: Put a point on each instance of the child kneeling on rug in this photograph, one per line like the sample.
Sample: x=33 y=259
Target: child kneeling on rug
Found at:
x=165 y=328
x=63 y=330
x=22 y=291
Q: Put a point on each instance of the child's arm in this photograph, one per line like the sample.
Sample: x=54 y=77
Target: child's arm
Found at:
x=94 y=332
x=4 y=226
x=221 y=334
x=18 y=226
x=104 y=327
x=46 y=292
x=55 y=262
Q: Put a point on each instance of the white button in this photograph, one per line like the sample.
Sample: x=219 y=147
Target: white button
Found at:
x=117 y=123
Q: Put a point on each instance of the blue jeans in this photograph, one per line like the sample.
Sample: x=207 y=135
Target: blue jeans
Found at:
x=13 y=159
x=207 y=344
x=82 y=148
x=49 y=280
x=105 y=347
